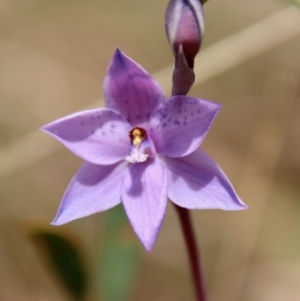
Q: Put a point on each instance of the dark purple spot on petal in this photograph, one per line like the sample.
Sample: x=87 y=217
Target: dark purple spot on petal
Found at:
x=82 y=123
x=103 y=133
x=177 y=122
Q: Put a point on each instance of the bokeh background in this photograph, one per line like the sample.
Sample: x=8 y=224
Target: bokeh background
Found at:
x=53 y=58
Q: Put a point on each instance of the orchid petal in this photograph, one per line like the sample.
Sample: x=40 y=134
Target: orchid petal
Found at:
x=197 y=182
x=98 y=136
x=144 y=196
x=130 y=90
x=93 y=189
x=178 y=126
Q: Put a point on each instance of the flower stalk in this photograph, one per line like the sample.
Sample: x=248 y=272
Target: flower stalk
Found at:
x=184 y=32
x=193 y=252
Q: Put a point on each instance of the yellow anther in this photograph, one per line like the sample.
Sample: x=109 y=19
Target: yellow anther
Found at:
x=137 y=140
x=137 y=135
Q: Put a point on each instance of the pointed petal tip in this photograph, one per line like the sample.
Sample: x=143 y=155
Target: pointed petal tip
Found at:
x=48 y=130
x=44 y=129
x=55 y=223
x=149 y=247
x=217 y=105
x=148 y=243
x=237 y=206
x=118 y=52
x=60 y=220
x=243 y=206
x=119 y=56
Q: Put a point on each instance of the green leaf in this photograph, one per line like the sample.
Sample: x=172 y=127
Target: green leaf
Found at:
x=118 y=258
x=63 y=256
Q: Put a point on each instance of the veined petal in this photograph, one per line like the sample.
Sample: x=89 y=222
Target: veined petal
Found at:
x=178 y=126
x=93 y=189
x=130 y=90
x=98 y=136
x=144 y=196
x=197 y=182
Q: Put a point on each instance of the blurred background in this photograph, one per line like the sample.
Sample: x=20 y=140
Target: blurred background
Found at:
x=53 y=58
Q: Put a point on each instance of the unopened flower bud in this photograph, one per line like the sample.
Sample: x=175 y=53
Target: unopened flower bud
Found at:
x=183 y=75
x=185 y=26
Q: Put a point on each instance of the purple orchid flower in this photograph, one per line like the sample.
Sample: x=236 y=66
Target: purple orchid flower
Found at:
x=141 y=150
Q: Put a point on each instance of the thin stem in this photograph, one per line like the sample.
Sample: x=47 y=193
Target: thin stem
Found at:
x=194 y=255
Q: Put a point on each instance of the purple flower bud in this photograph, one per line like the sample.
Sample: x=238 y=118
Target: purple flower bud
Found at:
x=184 y=23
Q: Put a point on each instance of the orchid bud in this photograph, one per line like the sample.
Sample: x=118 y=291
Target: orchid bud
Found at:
x=184 y=23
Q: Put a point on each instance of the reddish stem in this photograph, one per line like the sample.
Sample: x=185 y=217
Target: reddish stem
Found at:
x=194 y=255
